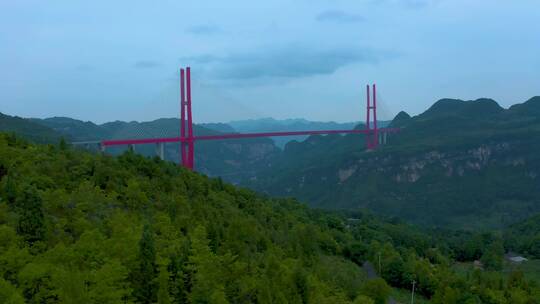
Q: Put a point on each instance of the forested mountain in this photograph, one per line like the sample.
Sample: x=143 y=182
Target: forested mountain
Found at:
x=77 y=227
x=28 y=129
x=463 y=164
x=220 y=127
x=284 y=125
x=232 y=159
x=466 y=164
x=524 y=236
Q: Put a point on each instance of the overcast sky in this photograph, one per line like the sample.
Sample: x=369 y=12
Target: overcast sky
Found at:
x=118 y=60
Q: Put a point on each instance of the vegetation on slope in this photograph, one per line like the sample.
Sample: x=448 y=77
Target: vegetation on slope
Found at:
x=286 y=125
x=83 y=228
x=461 y=164
x=232 y=159
x=524 y=237
x=28 y=129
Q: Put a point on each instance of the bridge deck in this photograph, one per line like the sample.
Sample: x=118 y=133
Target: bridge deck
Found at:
x=238 y=135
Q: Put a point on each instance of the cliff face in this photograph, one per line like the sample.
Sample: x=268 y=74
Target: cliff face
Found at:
x=443 y=169
x=235 y=161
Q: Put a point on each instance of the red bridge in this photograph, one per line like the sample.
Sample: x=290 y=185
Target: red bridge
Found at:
x=187 y=140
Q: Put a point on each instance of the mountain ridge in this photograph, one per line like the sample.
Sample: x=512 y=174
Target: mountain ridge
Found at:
x=444 y=168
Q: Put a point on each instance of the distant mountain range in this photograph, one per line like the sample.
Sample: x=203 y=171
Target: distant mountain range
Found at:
x=231 y=159
x=466 y=164
x=234 y=160
x=298 y=124
x=28 y=129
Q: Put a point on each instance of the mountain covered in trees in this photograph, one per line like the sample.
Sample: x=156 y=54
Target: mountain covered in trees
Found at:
x=286 y=125
x=232 y=159
x=77 y=227
x=466 y=164
x=28 y=129
x=461 y=164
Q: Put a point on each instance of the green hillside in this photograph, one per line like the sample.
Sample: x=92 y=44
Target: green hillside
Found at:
x=233 y=159
x=77 y=130
x=462 y=164
x=525 y=237
x=77 y=227
x=28 y=129
x=287 y=125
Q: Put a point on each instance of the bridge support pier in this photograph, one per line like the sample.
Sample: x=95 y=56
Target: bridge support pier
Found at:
x=101 y=147
x=160 y=150
x=382 y=138
x=131 y=148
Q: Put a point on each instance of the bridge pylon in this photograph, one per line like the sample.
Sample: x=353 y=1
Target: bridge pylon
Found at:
x=187 y=143
x=372 y=131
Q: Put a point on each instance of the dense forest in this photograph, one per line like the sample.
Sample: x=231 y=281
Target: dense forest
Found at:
x=83 y=228
x=460 y=164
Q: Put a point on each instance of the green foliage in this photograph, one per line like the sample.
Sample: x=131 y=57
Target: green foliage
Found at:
x=205 y=270
x=377 y=289
x=83 y=228
x=213 y=157
x=144 y=278
x=28 y=129
x=524 y=237
x=31 y=220
x=493 y=256
x=363 y=300
x=130 y=229
x=9 y=294
x=163 y=292
x=460 y=164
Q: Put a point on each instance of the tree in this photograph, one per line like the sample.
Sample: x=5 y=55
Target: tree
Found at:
x=62 y=144
x=446 y=295
x=218 y=296
x=518 y=296
x=163 y=292
x=204 y=270
x=144 y=278
x=70 y=286
x=10 y=190
x=9 y=294
x=177 y=278
x=493 y=256
x=110 y=283
x=363 y=300
x=377 y=289
x=30 y=223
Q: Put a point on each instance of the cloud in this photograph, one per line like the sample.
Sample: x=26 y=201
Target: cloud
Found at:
x=409 y=4
x=84 y=67
x=339 y=17
x=285 y=62
x=146 y=64
x=204 y=30
x=415 y=4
